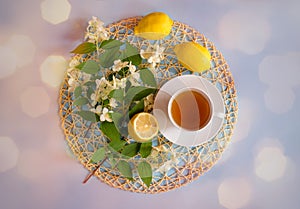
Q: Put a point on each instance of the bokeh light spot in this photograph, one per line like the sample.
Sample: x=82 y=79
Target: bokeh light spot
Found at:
x=24 y=49
x=283 y=70
x=268 y=142
x=9 y=154
x=279 y=99
x=244 y=31
x=55 y=11
x=234 y=193
x=270 y=164
x=8 y=61
x=35 y=101
x=53 y=70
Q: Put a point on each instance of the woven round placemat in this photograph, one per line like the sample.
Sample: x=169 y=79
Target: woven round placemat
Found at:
x=173 y=165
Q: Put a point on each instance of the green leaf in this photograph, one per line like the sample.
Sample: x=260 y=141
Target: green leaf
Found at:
x=117 y=119
x=125 y=169
x=111 y=43
x=135 y=59
x=137 y=93
x=80 y=66
x=90 y=67
x=117 y=145
x=90 y=91
x=109 y=56
x=112 y=160
x=139 y=107
x=109 y=129
x=131 y=150
x=131 y=54
x=117 y=94
x=105 y=102
x=84 y=48
x=116 y=116
x=78 y=91
x=80 y=101
x=145 y=172
x=98 y=155
x=146 y=149
x=129 y=51
x=148 y=78
x=91 y=84
x=88 y=115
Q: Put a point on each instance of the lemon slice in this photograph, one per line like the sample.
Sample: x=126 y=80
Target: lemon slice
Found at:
x=193 y=56
x=143 y=127
x=154 y=26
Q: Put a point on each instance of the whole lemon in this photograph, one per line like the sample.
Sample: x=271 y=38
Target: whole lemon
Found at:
x=154 y=26
x=193 y=56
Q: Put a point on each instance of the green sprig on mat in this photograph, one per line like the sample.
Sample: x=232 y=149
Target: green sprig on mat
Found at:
x=113 y=87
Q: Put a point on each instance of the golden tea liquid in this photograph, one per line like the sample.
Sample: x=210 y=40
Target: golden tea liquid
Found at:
x=191 y=110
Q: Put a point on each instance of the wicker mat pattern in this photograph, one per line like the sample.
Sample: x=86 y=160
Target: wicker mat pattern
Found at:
x=173 y=165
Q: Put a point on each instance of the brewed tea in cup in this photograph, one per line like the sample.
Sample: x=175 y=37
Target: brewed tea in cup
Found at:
x=190 y=109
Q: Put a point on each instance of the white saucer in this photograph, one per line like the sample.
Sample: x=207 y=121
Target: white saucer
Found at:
x=181 y=136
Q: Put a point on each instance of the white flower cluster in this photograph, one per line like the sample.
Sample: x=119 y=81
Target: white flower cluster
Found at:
x=133 y=76
x=96 y=31
x=75 y=76
x=154 y=55
x=149 y=103
x=73 y=73
x=101 y=102
x=104 y=87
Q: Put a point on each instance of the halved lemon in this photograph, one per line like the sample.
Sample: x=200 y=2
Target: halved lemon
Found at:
x=143 y=127
x=154 y=26
x=193 y=56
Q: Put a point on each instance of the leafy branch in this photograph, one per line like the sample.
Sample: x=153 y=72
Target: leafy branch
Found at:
x=130 y=97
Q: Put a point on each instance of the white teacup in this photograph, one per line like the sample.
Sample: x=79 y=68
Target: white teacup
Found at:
x=195 y=125
x=190 y=109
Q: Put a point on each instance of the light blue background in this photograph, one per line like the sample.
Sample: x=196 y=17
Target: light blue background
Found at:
x=46 y=177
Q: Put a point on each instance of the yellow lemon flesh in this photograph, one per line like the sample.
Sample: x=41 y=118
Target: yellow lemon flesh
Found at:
x=143 y=127
x=193 y=56
x=154 y=26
